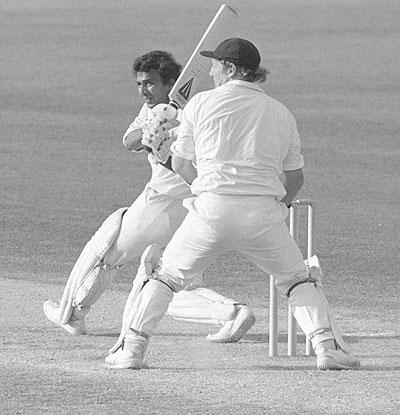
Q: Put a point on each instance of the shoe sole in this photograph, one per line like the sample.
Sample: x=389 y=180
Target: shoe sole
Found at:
x=73 y=330
x=126 y=365
x=244 y=327
x=330 y=364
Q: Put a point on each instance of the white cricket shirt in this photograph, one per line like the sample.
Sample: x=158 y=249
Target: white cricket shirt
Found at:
x=240 y=139
x=162 y=180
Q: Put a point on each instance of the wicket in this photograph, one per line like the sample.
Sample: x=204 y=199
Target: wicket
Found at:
x=273 y=295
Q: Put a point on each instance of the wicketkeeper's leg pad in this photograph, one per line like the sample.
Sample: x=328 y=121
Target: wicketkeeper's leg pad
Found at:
x=314 y=274
x=311 y=309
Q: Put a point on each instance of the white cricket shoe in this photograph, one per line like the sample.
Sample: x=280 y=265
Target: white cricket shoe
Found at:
x=51 y=310
x=336 y=359
x=233 y=330
x=130 y=355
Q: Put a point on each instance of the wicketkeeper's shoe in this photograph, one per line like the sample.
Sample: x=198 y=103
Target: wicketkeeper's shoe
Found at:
x=130 y=355
x=51 y=310
x=233 y=330
x=336 y=359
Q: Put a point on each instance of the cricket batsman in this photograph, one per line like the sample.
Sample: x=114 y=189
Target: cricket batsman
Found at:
x=152 y=219
x=233 y=144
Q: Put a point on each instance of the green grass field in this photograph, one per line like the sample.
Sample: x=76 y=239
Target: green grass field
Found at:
x=67 y=97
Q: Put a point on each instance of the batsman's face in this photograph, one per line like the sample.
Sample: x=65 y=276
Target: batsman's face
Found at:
x=152 y=88
x=218 y=73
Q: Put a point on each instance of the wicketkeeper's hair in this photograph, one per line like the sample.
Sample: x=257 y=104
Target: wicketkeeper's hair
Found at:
x=162 y=62
x=258 y=74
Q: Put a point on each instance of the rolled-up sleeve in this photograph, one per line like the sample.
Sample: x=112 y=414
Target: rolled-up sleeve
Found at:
x=294 y=159
x=137 y=124
x=184 y=145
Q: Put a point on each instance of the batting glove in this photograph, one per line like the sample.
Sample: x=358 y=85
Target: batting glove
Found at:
x=157 y=131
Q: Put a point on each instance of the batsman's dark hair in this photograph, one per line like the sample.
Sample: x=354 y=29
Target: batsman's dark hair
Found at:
x=162 y=62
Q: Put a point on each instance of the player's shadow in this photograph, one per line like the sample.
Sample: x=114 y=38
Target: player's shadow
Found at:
x=260 y=368
x=169 y=334
x=265 y=368
x=353 y=338
x=356 y=337
x=100 y=334
x=263 y=337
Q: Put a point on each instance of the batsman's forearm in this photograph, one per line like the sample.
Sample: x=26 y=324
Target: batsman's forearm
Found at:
x=133 y=141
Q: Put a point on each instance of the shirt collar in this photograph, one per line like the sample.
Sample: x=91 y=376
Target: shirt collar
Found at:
x=246 y=84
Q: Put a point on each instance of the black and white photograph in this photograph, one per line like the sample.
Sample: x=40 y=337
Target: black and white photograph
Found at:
x=200 y=207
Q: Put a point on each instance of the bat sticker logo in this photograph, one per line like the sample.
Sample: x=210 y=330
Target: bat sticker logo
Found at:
x=185 y=89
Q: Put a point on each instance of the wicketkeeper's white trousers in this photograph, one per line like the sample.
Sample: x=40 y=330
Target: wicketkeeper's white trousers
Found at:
x=255 y=227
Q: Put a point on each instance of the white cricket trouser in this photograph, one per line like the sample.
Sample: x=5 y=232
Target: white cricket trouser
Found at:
x=151 y=219
x=254 y=226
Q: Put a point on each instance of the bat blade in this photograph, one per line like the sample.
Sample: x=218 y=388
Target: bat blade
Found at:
x=194 y=76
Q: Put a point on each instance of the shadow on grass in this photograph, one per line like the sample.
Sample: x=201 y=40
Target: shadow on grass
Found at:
x=260 y=368
x=263 y=337
x=377 y=368
x=357 y=338
x=116 y=335
x=265 y=368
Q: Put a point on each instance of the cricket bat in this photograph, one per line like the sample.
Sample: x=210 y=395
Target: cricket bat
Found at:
x=194 y=76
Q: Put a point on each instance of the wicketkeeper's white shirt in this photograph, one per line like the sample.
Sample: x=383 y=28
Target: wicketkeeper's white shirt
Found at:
x=162 y=180
x=244 y=155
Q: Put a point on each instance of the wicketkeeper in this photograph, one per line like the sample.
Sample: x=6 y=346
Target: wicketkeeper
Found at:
x=152 y=219
x=233 y=144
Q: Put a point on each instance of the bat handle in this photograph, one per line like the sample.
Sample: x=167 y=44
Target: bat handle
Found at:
x=174 y=104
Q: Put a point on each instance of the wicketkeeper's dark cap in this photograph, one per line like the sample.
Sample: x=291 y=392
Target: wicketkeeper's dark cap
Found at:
x=236 y=50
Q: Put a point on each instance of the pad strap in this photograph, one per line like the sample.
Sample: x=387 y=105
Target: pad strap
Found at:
x=307 y=281
x=156 y=277
x=139 y=333
x=314 y=277
x=319 y=331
